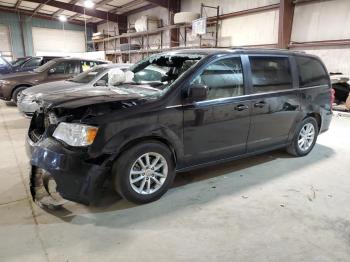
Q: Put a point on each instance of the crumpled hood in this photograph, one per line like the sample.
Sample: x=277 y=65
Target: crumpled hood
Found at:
x=52 y=87
x=95 y=95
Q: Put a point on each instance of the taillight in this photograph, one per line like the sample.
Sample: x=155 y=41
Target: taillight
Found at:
x=332 y=97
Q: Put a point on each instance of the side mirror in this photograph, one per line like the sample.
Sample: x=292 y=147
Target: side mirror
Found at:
x=52 y=71
x=101 y=82
x=198 y=92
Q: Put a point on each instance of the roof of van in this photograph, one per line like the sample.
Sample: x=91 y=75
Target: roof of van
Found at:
x=239 y=50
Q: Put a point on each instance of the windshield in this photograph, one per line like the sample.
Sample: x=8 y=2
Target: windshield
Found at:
x=88 y=76
x=19 y=61
x=161 y=70
x=45 y=66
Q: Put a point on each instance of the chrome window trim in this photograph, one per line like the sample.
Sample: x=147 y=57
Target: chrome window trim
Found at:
x=310 y=87
x=225 y=99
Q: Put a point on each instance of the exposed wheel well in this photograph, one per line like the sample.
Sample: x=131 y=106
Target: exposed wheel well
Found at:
x=317 y=117
x=149 y=139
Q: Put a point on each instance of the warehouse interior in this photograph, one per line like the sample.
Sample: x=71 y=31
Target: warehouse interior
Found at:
x=265 y=207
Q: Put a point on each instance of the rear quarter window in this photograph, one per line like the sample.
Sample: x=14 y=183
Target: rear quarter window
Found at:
x=311 y=72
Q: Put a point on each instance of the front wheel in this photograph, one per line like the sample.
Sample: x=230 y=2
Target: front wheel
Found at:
x=144 y=172
x=305 y=138
x=17 y=94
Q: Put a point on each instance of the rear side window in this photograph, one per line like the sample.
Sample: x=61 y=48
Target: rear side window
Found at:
x=66 y=67
x=86 y=65
x=311 y=72
x=224 y=78
x=45 y=60
x=270 y=73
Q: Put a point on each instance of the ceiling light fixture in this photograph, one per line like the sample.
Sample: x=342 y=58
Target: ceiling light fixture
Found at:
x=88 y=4
x=62 y=18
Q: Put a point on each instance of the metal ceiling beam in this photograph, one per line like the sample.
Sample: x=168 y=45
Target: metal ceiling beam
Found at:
x=30 y=13
x=120 y=8
x=60 y=11
x=38 y=8
x=140 y=9
x=73 y=17
x=79 y=9
x=18 y=3
x=126 y=6
x=308 y=1
x=170 y=4
x=103 y=2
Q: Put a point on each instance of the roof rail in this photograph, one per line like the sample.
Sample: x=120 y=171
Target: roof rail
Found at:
x=256 y=47
x=266 y=48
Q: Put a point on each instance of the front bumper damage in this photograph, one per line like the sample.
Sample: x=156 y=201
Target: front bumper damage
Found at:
x=59 y=173
x=44 y=189
x=27 y=108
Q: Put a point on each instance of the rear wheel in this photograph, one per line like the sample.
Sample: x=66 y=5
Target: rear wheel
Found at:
x=305 y=138
x=144 y=172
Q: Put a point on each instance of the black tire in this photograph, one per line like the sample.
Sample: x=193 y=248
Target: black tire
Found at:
x=294 y=149
x=15 y=93
x=122 y=168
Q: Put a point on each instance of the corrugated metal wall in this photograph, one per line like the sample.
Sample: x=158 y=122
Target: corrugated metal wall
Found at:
x=12 y=21
x=322 y=21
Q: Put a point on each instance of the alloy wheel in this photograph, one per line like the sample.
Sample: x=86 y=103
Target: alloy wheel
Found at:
x=148 y=173
x=306 y=137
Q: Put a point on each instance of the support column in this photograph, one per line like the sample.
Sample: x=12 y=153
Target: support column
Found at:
x=286 y=11
x=174 y=33
x=21 y=22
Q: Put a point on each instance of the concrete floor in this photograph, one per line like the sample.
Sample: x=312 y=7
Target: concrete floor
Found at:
x=271 y=207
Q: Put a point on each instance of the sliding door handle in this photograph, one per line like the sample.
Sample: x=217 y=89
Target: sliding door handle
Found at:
x=260 y=104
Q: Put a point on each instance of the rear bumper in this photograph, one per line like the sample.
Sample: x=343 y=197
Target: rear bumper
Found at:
x=76 y=179
x=326 y=120
x=2 y=97
x=4 y=93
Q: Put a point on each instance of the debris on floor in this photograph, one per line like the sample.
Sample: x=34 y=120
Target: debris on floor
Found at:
x=43 y=189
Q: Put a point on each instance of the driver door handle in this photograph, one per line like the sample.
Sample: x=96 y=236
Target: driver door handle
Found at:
x=241 y=107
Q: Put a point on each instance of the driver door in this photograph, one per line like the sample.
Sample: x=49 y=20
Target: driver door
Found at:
x=217 y=127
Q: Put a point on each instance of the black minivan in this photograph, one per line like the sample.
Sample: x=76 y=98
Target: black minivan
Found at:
x=205 y=106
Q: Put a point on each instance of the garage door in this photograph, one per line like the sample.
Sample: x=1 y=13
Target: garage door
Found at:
x=57 y=40
x=5 y=42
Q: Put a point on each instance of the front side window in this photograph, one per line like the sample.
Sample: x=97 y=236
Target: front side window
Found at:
x=19 y=61
x=224 y=78
x=270 y=74
x=34 y=62
x=88 y=76
x=2 y=62
x=46 y=66
x=105 y=78
x=311 y=72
